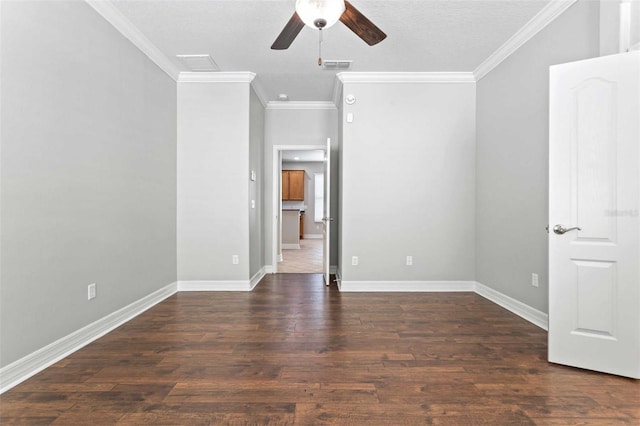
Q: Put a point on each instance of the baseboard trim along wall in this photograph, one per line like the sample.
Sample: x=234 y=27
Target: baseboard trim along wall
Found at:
x=255 y=279
x=28 y=366
x=313 y=236
x=406 y=286
x=291 y=246
x=217 y=285
x=270 y=269
x=524 y=311
x=222 y=285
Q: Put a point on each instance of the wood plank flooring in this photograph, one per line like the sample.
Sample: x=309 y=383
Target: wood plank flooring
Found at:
x=295 y=352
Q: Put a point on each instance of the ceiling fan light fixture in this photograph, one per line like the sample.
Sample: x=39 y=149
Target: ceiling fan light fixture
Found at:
x=320 y=14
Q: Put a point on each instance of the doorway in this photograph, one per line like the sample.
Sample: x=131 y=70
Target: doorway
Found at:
x=298 y=188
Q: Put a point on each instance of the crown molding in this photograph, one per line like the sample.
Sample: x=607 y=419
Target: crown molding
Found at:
x=301 y=105
x=405 y=77
x=337 y=92
x=260 y=92
x=547 y=15
x=216 y=77
x=112 y=15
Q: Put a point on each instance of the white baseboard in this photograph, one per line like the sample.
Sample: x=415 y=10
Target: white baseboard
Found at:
x=338 y=279
x=20 y=370
x=269 y=269
x=524 y=311
x=230 y=285
x=290 y=246
x=280 y=258
x=255 y=279
x=312 y=236
x=406 y=286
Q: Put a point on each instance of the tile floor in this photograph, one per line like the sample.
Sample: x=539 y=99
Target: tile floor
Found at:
x=306 y=260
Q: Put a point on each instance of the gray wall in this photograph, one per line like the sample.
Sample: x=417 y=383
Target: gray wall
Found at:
x=610 y=25
x=213 y=175
x=635 y=24
x=512 y=156
x=299 y=127
x=310 y=168
x=407 y=182
x=256 y=160
x=87 y=173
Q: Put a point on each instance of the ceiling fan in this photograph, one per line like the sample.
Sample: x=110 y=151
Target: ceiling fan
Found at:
x=321 y=14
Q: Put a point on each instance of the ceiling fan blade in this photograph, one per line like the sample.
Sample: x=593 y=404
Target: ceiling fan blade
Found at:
x=289 y=33
x=361 y=25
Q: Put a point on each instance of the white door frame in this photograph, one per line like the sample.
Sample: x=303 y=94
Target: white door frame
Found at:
x=277 y=201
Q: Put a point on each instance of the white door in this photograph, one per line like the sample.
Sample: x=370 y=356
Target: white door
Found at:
x=326 y=219
x=594 y=235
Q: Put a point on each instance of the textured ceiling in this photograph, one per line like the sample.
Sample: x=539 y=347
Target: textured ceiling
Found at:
x=428 y=35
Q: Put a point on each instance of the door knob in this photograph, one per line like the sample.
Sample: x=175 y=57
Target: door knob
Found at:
x=560 y=229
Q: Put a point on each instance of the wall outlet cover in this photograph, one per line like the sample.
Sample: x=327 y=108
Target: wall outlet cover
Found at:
x=91 y=291
x=535 y=280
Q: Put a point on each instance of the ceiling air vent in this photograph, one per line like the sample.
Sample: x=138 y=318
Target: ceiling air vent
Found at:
x=334 y=64
x=198 y=63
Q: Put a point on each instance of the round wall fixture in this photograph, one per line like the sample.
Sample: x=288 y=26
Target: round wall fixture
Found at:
x=350 y=99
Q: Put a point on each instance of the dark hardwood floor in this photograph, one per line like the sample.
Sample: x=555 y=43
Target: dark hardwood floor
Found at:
x=294 y=351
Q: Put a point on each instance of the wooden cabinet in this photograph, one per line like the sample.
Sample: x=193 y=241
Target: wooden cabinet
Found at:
x=285 y=184
x=293 y=185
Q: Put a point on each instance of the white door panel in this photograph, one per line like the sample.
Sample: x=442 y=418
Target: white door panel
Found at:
x=326 y=230
x=594 y=184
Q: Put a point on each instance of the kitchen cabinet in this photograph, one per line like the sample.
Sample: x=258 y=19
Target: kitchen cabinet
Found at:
x=285 y=185
x=293 y=185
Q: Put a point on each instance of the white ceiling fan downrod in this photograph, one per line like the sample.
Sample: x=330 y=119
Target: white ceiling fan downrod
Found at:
x=320 y=47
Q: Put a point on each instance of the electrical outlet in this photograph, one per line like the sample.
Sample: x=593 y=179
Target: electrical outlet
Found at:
x=354 y=260
x=409 y=260
x=534 y=280
x=235 y=259
x=91 y=291
x=253 y=204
